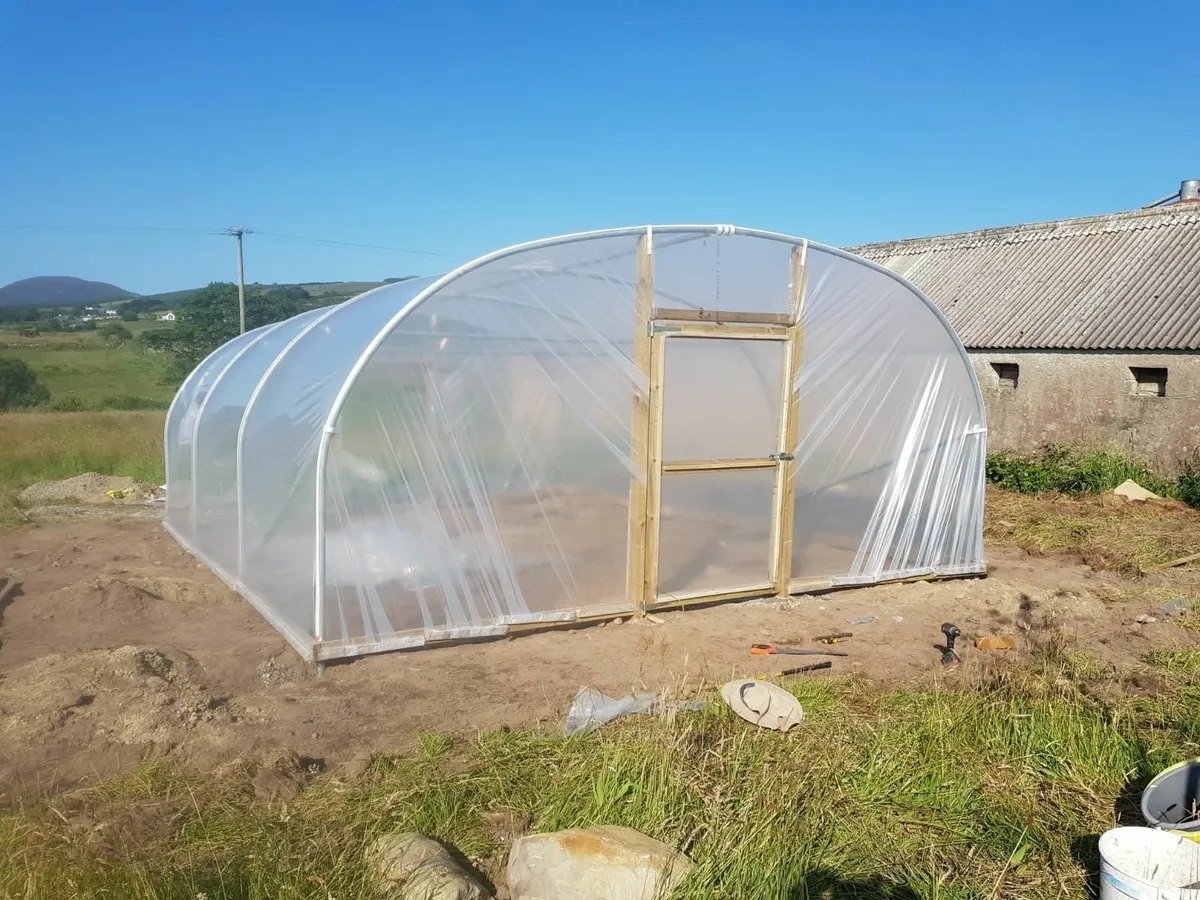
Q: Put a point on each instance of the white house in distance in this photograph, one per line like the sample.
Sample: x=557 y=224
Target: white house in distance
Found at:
x=96 y=313
x=168 y=316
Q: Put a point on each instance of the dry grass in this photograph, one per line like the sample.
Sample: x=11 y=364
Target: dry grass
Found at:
x=1106 y=532
x=48 y=446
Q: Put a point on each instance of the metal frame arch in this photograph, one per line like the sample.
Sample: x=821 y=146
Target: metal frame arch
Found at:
x=170 y=409
x=188 y=382
x=259 y=333
x=438 y=284
x=239 y=454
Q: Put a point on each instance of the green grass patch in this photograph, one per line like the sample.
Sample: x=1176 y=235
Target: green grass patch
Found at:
x=85 y=372
x=49 y=446
x=927 y=791
x=1063 y=470
x=1186 y=662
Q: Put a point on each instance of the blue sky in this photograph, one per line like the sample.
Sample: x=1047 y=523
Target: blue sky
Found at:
x=459 y=128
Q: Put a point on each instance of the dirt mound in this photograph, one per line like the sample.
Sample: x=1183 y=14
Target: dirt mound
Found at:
x=130 y=695
x=130 y=597
x=89 y=489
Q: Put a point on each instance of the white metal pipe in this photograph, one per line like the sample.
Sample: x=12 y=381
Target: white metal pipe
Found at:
x=167 y=428
x=202 y=370
x=239 y=456
x=259 y=334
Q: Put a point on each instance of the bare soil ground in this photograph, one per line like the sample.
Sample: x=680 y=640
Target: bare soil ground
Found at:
x=116 y=645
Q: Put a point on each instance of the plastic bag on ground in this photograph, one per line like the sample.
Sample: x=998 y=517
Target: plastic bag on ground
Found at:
x=591 y=709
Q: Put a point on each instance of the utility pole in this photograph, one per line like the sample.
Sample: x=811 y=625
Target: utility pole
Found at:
x=237 y=231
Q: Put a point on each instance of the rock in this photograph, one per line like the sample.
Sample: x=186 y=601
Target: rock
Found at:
x=271 y=785
x=413 y=867
x=1144 y=619
x=1131 y=490
x=604 y=863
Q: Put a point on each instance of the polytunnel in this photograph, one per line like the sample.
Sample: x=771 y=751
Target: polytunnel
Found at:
x=590 y=425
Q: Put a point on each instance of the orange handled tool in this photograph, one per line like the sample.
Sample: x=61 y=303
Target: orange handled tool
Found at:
x=771 y=649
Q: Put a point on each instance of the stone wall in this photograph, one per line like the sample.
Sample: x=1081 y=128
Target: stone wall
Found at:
x=1093 y=398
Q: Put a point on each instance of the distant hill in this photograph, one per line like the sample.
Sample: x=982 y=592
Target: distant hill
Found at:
x=59 y=290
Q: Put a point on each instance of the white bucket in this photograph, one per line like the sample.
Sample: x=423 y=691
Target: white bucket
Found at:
x=1147 y=864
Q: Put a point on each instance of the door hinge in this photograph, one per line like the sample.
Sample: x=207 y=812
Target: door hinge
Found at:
x=781 y=457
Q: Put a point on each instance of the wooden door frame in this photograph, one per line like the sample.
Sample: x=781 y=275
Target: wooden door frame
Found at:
x=653 y=327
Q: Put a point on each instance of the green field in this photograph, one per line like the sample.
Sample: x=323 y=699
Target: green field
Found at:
x=84 y=371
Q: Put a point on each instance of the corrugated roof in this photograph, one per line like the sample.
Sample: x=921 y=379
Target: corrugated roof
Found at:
x=1129 y=281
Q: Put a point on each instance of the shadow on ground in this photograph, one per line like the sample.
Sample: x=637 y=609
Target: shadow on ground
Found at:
x=822 y=884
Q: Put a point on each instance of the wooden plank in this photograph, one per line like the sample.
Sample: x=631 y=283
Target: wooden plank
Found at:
x=708 y=465
x=654 y=470
x=719 y=330
x=677 y=598
x=789 y=427
x=635 y=567
x=721 y=316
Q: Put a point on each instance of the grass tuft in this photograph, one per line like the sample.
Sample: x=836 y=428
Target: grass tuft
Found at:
x=1186 y=662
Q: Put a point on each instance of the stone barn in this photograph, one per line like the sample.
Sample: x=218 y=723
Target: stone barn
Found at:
x=1079 y=330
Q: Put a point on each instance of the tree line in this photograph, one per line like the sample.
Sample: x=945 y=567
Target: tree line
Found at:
x=209 y=318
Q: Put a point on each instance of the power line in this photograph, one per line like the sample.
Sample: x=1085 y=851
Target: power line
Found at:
x=307 y=240
x=106 y=229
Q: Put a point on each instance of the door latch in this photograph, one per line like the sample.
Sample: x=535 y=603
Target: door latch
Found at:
x=780 y=457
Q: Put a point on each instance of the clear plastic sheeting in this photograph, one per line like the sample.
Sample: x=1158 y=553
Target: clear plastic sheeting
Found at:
x=447 y=457
x=889 y=463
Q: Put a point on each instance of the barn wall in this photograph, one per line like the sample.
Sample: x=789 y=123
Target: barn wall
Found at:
x=1092 y=398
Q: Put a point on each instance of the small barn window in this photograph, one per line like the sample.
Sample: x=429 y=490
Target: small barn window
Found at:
x=1149 y=382
x=1007 y=374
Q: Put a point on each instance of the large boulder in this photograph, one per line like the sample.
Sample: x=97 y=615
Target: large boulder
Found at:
x=413 y=867
x=604 y=863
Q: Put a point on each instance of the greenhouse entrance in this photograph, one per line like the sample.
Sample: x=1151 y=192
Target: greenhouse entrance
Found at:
x=738 y=473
